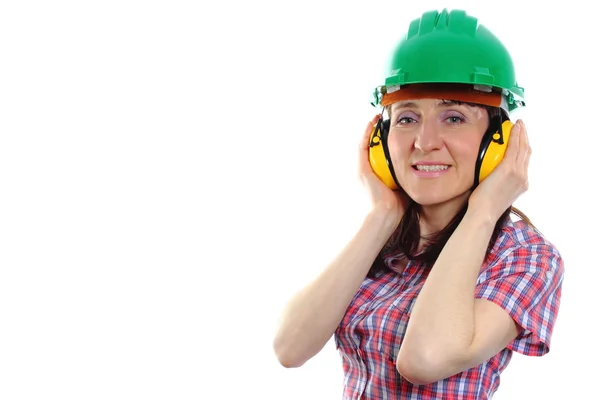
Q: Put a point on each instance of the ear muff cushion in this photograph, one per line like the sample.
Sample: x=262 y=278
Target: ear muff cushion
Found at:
x=493 y=147
x=379 y=156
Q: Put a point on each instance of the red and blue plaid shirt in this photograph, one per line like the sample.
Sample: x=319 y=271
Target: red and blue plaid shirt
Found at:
x=523 y=274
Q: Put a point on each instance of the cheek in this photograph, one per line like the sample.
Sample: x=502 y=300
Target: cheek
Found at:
x=399 y=147
x=398 y=154
x=465 y=152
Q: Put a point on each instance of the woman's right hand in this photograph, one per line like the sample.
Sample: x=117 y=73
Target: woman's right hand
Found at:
x=393 y=203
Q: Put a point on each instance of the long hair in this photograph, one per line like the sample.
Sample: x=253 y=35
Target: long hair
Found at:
x=407 y=236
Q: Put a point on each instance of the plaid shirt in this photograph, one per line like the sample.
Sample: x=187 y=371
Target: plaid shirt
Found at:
x=523 y=274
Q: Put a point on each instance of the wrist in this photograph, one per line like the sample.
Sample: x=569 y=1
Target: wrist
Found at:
x=483 y=219
x=384 y=220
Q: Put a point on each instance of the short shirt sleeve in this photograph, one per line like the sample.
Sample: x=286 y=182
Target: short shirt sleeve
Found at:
x=526 y=281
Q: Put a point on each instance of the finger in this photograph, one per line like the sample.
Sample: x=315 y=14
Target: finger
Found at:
x=512 y=148
x=525 y=149
x=363 y=155
x=368 y=130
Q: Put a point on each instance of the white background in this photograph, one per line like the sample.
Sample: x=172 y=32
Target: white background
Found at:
x=171 y=172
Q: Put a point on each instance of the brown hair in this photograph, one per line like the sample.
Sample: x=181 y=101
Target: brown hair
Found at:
x=407 y=236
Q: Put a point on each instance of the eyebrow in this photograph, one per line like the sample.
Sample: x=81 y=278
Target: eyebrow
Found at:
x=403 y=104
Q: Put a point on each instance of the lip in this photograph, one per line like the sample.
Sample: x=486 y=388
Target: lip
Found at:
x=430 y=163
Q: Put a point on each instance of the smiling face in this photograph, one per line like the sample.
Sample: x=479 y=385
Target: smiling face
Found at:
x=434 y=146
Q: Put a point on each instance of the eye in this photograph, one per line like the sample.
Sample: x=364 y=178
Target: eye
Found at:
x=406 y=120
x=454 y=119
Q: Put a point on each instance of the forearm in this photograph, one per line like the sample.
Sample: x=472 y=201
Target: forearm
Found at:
x=442 y=324
x=312 y=316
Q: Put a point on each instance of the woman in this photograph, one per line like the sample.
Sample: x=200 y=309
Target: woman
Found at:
x=439 y=286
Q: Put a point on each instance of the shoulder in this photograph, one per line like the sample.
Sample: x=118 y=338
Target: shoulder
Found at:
x=520 y=239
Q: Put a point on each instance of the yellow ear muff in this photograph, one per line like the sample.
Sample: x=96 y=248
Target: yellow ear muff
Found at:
x=378 y=157
x=495 y=150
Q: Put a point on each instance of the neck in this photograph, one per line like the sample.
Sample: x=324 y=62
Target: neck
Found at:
x=434 y=218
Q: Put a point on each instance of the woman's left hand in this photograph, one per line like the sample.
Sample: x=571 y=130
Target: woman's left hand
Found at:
x=508 y=180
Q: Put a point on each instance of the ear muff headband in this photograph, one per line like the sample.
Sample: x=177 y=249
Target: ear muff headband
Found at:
x=379 y=154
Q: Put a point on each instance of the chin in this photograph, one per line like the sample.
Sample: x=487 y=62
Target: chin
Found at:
x=428 y=200
x=434 y=198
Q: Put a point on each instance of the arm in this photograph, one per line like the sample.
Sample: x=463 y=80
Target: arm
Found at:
x=312 y=316
x=449 y=330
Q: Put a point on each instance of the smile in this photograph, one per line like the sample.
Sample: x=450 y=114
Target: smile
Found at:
x=430 y=171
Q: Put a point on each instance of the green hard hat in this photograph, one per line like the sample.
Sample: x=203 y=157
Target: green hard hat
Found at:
x=452 y=47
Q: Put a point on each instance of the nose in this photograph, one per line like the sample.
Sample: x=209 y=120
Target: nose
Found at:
x=428 y=137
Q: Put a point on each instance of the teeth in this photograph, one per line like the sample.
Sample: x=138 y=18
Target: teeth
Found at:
x=432 y=167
